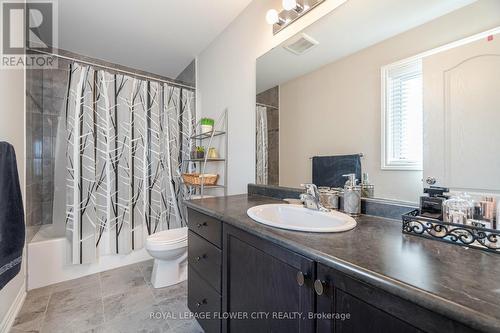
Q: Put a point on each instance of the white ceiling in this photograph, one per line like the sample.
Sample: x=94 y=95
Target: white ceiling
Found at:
x=352 y=27
x=158 y=36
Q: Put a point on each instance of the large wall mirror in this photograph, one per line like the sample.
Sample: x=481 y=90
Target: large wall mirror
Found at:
x=408 y=90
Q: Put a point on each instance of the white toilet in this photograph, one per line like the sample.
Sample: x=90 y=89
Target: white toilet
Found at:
x=169 y=250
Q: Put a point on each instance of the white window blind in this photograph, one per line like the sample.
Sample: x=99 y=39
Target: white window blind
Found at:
x=402 y=114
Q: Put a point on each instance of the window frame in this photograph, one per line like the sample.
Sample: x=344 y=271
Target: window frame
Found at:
x=385 y=163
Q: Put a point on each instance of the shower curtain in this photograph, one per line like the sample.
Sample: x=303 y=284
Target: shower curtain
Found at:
x=126 y=140
x=261 y=145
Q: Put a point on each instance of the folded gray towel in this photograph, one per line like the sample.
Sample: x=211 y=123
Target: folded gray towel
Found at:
x=12 y=229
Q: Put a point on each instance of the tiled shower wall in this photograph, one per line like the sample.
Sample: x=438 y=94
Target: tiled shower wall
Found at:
x=45 y=104
x=271 y=98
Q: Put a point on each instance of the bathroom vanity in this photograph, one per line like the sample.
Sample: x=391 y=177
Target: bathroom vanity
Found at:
x=370 y=279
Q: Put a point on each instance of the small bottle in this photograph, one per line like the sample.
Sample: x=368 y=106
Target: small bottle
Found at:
x=487 y=218
x=496 y=225
x=352 y=196
x=488 y=207
x=431 y=206
x=367 y=189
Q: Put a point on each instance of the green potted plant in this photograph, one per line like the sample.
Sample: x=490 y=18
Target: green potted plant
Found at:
x=207 y=125
x=200 y=152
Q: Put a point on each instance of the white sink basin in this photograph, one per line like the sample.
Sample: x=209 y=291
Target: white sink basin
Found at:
x=296 y=217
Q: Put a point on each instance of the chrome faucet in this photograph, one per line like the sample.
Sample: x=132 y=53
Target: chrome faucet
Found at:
x=311 y=198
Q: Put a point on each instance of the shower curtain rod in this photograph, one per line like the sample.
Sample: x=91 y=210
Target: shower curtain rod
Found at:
x=150 y=78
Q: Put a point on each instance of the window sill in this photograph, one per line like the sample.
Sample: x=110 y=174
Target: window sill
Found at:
x=408 y=167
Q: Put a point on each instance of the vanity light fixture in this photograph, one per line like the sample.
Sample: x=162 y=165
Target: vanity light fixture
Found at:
x=292 y=11
x=273 y=17
x=293 y=5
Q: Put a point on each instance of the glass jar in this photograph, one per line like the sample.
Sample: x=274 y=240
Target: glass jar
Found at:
x=367 y=190
x=458 y=209
x=329 y=197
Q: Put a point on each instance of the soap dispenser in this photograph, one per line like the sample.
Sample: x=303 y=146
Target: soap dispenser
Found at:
x=352 y=196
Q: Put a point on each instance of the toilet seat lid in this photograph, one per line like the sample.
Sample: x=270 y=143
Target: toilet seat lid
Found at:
x=171 y=236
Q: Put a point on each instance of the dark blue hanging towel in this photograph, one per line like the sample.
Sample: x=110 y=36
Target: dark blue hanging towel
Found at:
x=329 y=170
x=12 y=227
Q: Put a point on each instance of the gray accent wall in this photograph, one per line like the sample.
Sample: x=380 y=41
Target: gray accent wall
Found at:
x=188 y=75
x=271 y=98
x=45 y=104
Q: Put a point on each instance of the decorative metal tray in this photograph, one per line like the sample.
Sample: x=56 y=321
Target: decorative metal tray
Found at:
x=459 y=234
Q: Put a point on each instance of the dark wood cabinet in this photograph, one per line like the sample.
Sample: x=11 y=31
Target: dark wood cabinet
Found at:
x=205 y=226
x=254 y=285
x=370 y=309
x=204 y=302
x=364 y=317
x=205 y=258
x=262 y=279
x=204 y=270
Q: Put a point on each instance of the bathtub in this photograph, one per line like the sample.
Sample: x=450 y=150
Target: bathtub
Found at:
x=48 y=263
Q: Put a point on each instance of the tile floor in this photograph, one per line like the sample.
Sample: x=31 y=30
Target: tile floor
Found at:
x=119 y=300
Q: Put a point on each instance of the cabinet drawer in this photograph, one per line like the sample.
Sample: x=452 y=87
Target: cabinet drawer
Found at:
x=202 y=298
x=205 y=226
x=205 y=258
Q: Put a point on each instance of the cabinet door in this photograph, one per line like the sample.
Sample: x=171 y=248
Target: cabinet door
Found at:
x=365 y=317
x=260 y=280
x=341 y=312
x=371 y=309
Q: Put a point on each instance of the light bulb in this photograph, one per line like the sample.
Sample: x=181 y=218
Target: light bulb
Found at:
x=289 y=4
x=272 y=16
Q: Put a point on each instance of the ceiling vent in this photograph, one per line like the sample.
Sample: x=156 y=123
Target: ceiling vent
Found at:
x=300 y=44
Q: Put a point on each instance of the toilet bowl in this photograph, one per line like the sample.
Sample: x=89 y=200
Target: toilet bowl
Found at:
x=169 y=250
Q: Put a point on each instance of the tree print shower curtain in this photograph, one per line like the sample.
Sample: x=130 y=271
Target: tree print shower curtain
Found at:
x=126 y=139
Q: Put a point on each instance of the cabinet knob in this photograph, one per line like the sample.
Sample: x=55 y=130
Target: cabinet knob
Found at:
x=301 y=278
x=319 y=287
x=199 y=225
x=198 y=304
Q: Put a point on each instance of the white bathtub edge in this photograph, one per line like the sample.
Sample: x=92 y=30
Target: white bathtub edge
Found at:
x=47 y=263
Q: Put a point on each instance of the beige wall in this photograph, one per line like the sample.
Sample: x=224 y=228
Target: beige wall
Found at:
x=336 y=109
x=226 y=79
x=12 y=131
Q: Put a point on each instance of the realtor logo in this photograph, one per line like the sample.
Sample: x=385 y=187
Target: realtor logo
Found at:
x=28 y=34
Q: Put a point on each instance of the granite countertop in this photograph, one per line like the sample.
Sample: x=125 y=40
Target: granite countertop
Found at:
x=459 y=283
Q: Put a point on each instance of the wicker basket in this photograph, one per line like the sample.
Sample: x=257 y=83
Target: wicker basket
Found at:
x=197 y=179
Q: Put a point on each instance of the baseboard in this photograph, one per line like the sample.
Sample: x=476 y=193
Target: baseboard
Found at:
x=16 y=306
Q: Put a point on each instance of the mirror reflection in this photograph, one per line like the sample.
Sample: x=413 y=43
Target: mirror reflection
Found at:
x=403 y=105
